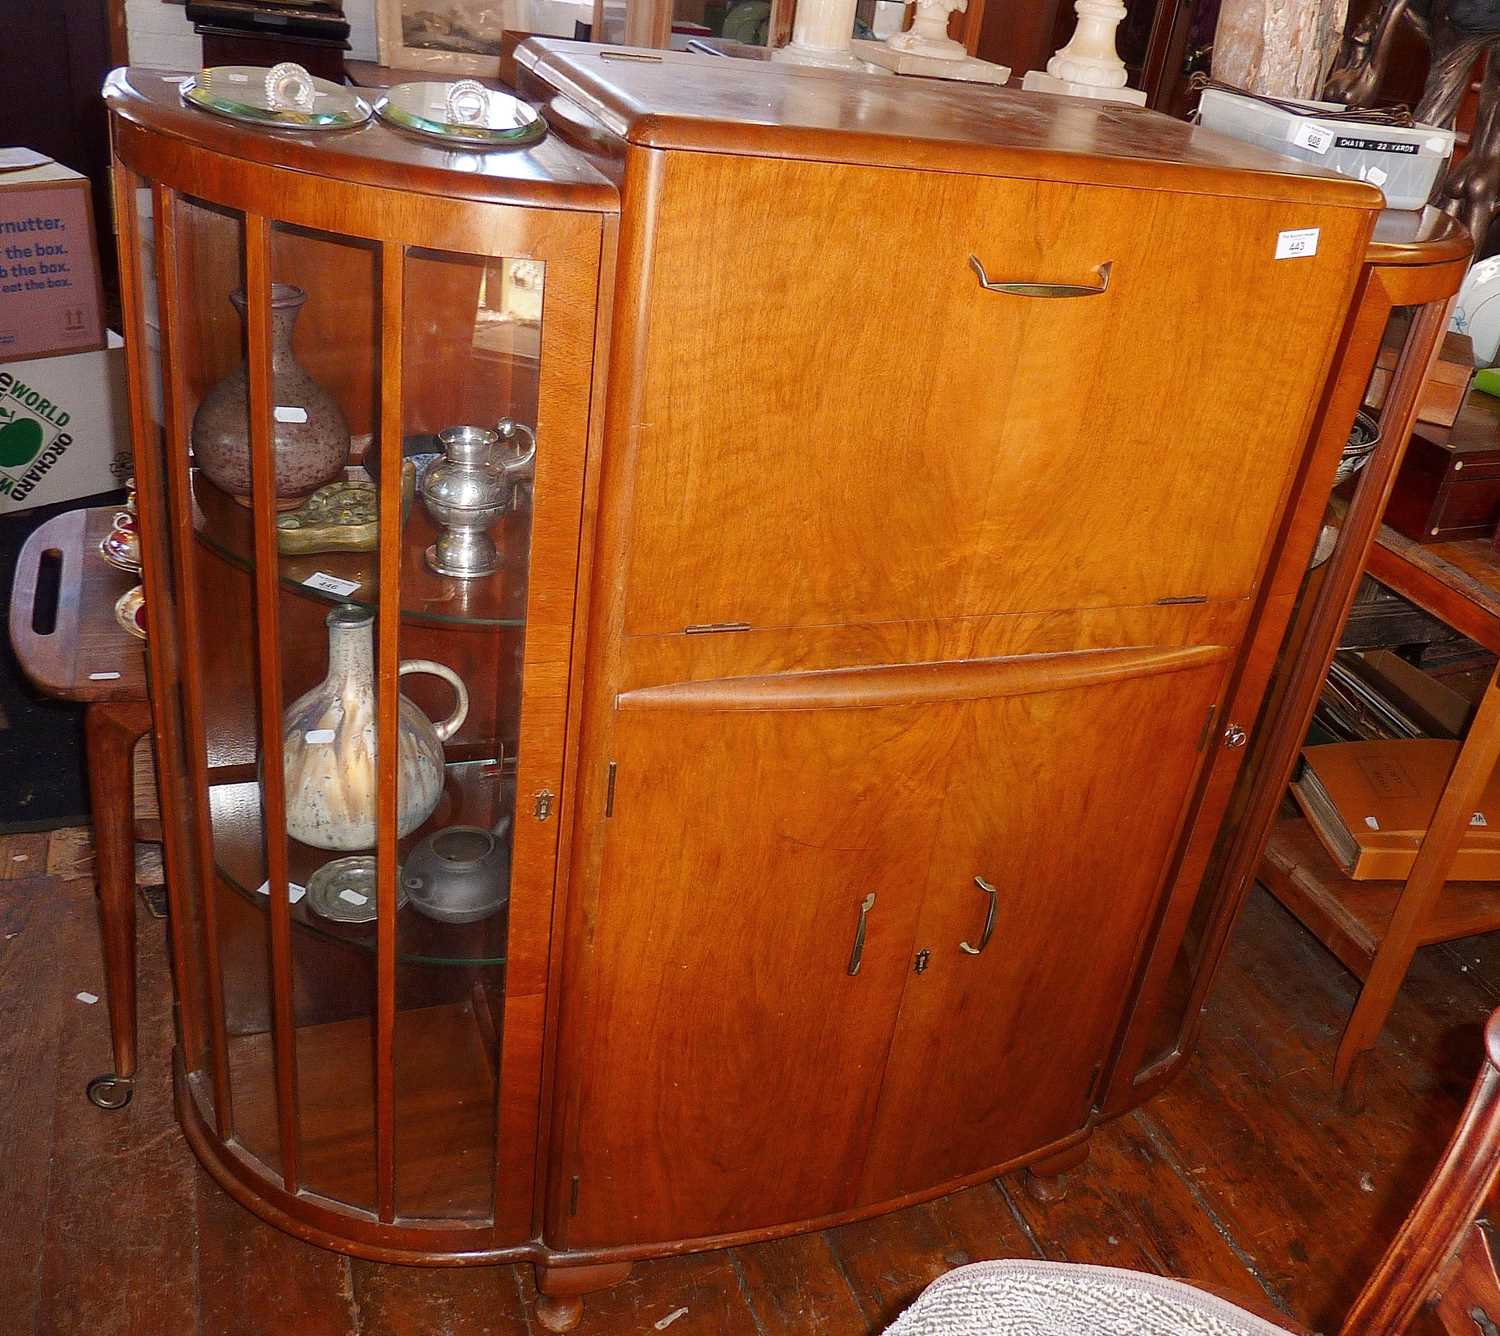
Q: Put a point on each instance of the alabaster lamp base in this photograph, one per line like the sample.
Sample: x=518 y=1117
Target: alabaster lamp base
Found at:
x=1037 y=81
x=967 y=69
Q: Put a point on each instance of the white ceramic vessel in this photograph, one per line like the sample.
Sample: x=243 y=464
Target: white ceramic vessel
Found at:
x=330 y=743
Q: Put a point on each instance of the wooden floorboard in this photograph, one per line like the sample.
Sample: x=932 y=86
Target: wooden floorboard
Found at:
x=1242 y=1174
x=33 y=917
x=119 y=1238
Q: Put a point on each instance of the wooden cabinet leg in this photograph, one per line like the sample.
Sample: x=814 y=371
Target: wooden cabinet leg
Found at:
x=111 y=731
x=1350 y=1089
x=559 y=1305
x=1047 y=1180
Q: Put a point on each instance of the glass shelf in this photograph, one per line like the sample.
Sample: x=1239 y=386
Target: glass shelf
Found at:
x=223 y=525
x=469 y=798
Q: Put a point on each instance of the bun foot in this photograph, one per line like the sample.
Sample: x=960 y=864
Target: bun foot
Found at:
x=1053 y=1187
x=558 y=1314
x=559 y=1302
x=1047 y=1180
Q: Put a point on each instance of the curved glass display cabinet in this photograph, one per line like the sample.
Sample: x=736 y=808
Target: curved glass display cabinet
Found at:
x=361 y=948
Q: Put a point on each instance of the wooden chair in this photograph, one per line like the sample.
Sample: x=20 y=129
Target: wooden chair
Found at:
x=1442 y=1260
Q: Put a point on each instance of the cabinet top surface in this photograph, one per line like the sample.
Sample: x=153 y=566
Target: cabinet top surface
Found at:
x=681 y=100
x=550 y=174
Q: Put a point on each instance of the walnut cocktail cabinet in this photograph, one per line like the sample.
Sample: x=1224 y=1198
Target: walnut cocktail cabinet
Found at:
x=922 y=480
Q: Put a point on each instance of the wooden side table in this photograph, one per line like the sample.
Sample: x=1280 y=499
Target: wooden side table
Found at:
x=82 y=653
x=1375 y=927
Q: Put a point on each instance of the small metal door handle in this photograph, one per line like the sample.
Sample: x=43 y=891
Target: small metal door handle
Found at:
x=855 y=956
x=1043 y=289
x=989 y=919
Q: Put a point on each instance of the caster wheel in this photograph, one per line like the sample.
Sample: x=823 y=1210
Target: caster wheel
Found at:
x=110 y=1091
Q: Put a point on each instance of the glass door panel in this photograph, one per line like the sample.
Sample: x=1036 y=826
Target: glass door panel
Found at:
x=469 y=374
x=324 y=322
x=162 y=490
x=206 y=336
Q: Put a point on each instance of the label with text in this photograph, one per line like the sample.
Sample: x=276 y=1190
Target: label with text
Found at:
x=1297 y=244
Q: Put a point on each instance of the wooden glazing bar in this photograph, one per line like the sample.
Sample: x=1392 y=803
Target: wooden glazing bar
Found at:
x=268 y=638
x=388 y=654
x=175 y=399
x=149 y=488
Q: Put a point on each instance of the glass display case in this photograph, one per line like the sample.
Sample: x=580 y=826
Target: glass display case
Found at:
x=361 y=416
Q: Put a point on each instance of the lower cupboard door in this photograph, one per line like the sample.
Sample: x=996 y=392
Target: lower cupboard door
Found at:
x=1053 y=853
x=760 y=909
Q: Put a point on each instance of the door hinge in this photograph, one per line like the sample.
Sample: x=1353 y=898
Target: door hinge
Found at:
x=573 y=1197
x=921 y=962
x=542 y=804
x=609 y=792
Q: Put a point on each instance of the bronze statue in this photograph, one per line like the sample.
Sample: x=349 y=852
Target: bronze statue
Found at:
x=1457 y=33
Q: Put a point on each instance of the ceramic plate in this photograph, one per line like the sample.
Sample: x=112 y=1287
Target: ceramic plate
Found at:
x=130 y=611
x=1477 y=312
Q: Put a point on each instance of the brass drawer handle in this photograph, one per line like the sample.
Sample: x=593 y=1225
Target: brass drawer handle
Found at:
x=856 y=956
x=989 y=919
x=1043 y=289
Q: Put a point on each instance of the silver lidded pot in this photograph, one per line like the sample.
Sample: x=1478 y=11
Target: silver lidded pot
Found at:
x=471 y=487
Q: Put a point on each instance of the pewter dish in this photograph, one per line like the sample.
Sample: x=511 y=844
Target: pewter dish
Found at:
x=343 y=890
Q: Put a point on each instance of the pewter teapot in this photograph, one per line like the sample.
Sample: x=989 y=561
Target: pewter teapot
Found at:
x=468 y=489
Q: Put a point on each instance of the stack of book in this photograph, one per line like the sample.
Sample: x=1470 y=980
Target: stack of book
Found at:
x=1370 y=804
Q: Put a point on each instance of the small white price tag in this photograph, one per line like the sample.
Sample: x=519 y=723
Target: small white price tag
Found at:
x=294 y=891
x=88 y=999
x=1375 y=176
x=318 y=735
x=331 y=584
x=1372 y=823
x=1314 y=137
x=103 y=677
x=1297 y=244
x=353 y=897
x=289 y=413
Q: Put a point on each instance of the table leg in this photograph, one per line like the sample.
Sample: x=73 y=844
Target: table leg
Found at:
x=111 y=731
x=1462 y=795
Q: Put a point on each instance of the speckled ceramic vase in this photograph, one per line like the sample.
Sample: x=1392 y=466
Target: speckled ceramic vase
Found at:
x=329 y=744
x=311 y=435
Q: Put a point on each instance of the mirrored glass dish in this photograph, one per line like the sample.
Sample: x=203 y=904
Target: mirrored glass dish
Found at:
x=285 y=96
x=463 y=112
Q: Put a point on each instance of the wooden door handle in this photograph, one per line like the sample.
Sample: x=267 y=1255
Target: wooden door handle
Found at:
x=989 y=919
x=1043 y=289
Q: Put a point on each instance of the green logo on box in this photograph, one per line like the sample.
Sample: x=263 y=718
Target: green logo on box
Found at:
x=20 y=442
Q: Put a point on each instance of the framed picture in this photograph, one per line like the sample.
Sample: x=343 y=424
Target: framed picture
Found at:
x=453 y=38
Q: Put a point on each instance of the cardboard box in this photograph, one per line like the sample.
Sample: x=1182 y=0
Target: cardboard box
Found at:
x=50 y=298
x=64 y=428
